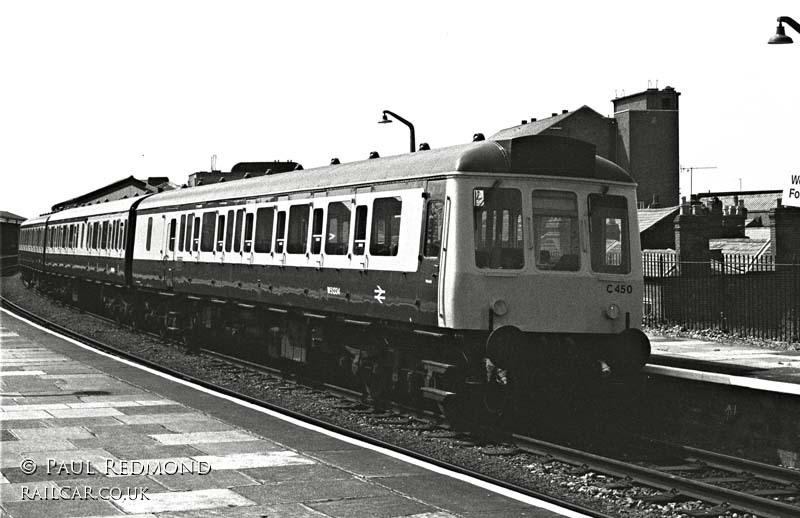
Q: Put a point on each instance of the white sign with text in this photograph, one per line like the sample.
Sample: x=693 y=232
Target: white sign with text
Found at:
x=791 y=194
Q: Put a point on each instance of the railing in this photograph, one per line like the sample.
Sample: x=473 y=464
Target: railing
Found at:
x=743 y=295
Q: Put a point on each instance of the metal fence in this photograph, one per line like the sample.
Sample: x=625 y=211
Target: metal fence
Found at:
x=739 y=294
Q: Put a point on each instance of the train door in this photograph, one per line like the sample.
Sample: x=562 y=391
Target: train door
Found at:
x=443 y=257
x=248 y=253
x=170 y=243
x=317 y=235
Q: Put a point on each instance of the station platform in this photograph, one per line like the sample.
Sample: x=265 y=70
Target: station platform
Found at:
x=717 y=362
x=85 y=434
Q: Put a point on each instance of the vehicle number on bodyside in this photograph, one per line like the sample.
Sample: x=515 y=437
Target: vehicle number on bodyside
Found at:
x=623 y=289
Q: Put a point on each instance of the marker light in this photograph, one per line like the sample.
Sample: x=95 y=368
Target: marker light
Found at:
x=499 y=307
x=612 y=311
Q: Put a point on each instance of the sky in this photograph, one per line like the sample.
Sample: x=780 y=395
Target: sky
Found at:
x=95 y=91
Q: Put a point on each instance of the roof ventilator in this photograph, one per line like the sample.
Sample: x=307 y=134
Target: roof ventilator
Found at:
x=373 y=154
x=478 y=137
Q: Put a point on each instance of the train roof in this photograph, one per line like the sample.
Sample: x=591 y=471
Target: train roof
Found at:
x=544 y=155
x=97 y=209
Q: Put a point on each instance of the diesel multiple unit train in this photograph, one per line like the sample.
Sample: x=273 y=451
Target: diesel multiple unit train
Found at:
x=488 y=266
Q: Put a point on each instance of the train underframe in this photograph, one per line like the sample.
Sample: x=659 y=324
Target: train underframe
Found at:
x=472 y=373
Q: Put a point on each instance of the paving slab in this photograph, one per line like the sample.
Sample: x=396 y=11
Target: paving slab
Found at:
x=386 y=506
x=131 y=428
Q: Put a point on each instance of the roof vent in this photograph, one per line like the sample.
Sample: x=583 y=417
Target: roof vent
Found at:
x=335 y=161
x=478 y=137
x=298 y=167
x=533 y=119
x=523 y=122
x=564 y=111
x=373 y=154
x=553 y=114
x=424 y=147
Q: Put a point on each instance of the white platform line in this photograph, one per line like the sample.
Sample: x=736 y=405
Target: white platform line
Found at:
x=724 y=379
x=356 y=442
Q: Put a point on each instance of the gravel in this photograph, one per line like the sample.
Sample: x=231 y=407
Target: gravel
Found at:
x=592 y=490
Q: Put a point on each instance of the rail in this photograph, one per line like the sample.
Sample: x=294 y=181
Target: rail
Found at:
x=10 y=306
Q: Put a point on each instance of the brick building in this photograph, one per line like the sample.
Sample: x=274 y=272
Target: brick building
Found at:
x=758 y=203
x=641 y=137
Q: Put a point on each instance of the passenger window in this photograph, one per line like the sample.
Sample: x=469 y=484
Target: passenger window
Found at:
x=556 y=239
x=337 y=239
x=237 y=237
x=608 y=234
x=264 y=220
x=385 y=237
x=207 y=229
x=433 y=228
x=220 y=233
x=182 y=235
x=298 y=229
x=498 y=238
x=189 y=223
x=104 y=238
x=280 y=232
x=316 y=231
x=196 y=234
x=229 y=232
x=124 y=235
x=149 y=233
x=360 y=235
x=171 y=243
x=248 y=232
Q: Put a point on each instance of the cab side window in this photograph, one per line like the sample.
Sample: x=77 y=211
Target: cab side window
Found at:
x=433 y=228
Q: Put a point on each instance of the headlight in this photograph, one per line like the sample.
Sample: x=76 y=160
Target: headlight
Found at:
x=612 y=311
x=499 y=307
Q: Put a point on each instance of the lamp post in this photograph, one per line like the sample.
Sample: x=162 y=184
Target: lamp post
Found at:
x=385 y=120
x=780 y=36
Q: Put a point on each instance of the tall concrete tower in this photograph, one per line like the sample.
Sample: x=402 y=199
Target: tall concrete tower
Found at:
x=647 y=143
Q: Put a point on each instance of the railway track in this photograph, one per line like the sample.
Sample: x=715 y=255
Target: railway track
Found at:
x=10 y=306
x=682 y=473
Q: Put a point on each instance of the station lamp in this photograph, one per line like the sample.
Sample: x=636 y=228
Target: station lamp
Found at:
x=780 y=36
x=386 y=120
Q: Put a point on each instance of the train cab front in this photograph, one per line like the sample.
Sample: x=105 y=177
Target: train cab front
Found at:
x=547 y=270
